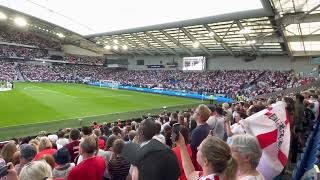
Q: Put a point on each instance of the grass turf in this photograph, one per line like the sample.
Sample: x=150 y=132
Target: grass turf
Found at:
x=32 y=107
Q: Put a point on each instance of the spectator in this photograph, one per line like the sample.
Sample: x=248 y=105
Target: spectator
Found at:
x=36 y=170
x=86 y=131
x=92 y=167
x=73 y=146
x=202 y=130
x=246 y=150
x=35 y=143
x=214 y=157
x=50 y=160
x=185 y=133
x=62 y=158
x=7 y=151
x=234 y=129
x=101 y=142
x=154 y=160
x=159 y=136
x=45 y=148
x=27 y=154
x=131 y=135
x=117 y=131
x=62 y=141
x=118 y=167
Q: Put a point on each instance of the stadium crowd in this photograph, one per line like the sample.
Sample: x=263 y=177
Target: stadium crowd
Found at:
x=26 y=38
x=206 y=143
x=7 y=71
x=232 y=83
x=22 y=52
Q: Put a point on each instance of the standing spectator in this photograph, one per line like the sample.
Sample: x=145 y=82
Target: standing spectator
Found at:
x=118 y=167
x=159 y=136
x=45 y=148
x=73 y=146
x=8 y=150
x=101 y=142
x=185 y=133
x=246 y=150
x=27 y=154
x=62 y=158
x=92 y=167
x=235 y=128
x=62 y=141
x=154 y=160
x=202 y=130
x=214 y=157
x=36 y=170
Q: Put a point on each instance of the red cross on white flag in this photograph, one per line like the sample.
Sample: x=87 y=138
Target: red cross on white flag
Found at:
x=272 y=129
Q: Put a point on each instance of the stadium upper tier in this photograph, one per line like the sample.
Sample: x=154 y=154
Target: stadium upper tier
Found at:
x=230 y=83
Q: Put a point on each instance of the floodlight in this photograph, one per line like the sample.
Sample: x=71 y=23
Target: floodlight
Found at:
x=124 y=47
x=115 y=47
x=115 y=41
x=21 y=22
x=60 y=35
x=211 y=34
x=251 y=42
x=196 y=44
x=3 y=16
x=246 y=30
x=108 y=47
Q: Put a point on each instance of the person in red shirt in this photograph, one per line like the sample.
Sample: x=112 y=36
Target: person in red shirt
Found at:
x=45 y=148
x=101 y=142
x=73 y=146
x=92 y=167
x=185 y=133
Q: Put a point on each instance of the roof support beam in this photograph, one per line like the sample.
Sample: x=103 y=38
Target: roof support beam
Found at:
x=247 y=37
x=177 y=42
x=147 y=44
x=161 y=43
x=136 y=45
x=313 y=37
x=192 y=38
x=218 y=39
x=310 y=11
x=299 y=18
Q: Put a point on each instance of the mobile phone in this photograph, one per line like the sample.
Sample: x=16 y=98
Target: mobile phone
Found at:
x=4 y=170
x=175 y=131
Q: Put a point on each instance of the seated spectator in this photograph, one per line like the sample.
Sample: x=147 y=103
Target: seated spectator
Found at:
x=45 y=147
x=202 y=130
x=214 y=157
x=73 y=146
x=92 y=167
x=62 y=158
x=62 y=141
x=7 y=151
x=154 y=160
x=27 y=154
x=246 y=150
x=118 y=167
x=185 y=133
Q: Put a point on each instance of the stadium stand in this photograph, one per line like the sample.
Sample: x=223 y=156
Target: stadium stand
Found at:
x=270 y=131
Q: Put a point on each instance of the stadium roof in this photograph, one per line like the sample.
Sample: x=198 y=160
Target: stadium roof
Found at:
x=263 y=27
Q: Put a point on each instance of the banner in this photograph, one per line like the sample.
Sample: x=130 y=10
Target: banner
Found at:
x=165 y=92
x=272 y=129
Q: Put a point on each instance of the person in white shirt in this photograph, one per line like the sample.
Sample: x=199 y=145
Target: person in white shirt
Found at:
x=235 y=128
x=61 y=139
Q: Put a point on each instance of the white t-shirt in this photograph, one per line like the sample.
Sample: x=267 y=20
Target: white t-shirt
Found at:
x=236 y=128
x=259 y=177
x=61 y=142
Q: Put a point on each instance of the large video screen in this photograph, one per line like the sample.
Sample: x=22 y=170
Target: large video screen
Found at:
x=194 y=63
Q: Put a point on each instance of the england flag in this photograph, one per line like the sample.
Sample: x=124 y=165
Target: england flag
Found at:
x=272 y=129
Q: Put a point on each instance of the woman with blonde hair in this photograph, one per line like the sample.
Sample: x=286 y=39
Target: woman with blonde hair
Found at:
x=36 y=170
x=45 y=147
x=215 y=158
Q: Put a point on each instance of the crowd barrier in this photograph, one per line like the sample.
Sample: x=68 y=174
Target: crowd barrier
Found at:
x=164 y=92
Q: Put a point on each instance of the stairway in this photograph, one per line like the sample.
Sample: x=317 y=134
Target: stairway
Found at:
x=20 y=76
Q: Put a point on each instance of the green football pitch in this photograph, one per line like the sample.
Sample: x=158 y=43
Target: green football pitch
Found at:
x=32 y=107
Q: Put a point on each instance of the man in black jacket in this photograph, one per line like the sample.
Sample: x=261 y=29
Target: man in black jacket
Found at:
x=154 y=160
